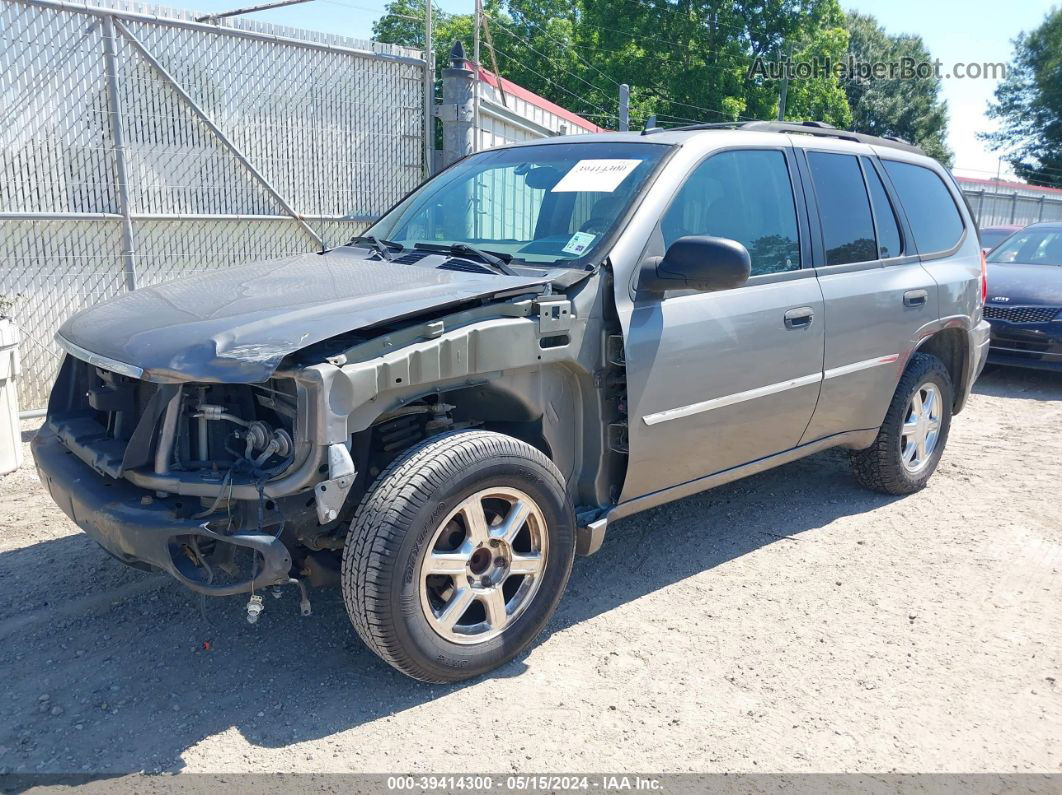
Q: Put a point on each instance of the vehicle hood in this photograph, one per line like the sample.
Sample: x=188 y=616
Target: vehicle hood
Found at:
x=235 y=325
x=1024 y=285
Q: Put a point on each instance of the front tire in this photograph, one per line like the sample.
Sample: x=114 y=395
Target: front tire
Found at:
x=911 y=439
x=458 y=555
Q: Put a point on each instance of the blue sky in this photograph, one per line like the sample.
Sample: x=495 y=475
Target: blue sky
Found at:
x=968 y=31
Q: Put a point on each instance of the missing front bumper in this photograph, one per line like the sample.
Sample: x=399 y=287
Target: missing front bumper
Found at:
x=150 y=532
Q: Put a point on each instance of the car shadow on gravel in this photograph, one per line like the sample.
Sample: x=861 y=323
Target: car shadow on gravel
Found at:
x=1019 y=382
x=112 y=670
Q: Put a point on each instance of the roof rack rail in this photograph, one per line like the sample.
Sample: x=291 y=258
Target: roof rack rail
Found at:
x=800 y=127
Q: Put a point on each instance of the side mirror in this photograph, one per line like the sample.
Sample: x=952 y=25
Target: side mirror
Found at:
x=697 y=263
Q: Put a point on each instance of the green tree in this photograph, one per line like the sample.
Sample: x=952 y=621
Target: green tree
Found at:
x=908 y=108
x=1029 y=105
x=685 y=60
x=823 y=38
x=403 y=24
x=691 y=60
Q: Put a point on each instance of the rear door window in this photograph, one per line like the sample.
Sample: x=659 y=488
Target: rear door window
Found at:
x=847 y=223
x=931 y=211
x=744 y=195
x=888 y=227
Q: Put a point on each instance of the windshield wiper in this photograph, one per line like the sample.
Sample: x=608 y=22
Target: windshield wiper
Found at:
x=497 y=261
x=383 y=247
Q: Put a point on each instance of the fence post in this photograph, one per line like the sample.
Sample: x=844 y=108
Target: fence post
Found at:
x=118 y=136
x=624 y=107
x=1040 y=213
x=429 y=92
x=1013 y=206
x=457 y=109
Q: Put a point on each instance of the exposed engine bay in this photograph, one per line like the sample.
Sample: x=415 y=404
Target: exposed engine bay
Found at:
x=234 y=484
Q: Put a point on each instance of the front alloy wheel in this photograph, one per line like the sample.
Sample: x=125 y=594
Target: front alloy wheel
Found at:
x=458 y=555
x=484 y=566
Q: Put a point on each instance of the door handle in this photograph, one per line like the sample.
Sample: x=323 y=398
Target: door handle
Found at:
x=800 y=317
x=915 y=298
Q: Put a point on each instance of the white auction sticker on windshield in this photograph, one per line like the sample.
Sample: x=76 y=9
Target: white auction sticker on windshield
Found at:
x=579 y=243
x=601 y=176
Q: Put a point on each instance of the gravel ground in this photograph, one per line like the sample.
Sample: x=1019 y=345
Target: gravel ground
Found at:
x=788 y=622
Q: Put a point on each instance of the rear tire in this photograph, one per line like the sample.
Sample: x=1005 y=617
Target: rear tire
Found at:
x=912 y=438
x=458 y=555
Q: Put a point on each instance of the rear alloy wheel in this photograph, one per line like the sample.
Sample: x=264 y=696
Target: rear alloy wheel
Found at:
x=911 y=439
x=458 y=555
x=921 y=428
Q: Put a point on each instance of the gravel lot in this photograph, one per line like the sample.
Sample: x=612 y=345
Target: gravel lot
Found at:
x=787 y=622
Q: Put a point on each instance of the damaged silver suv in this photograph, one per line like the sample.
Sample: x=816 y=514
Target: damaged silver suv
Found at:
x=536 y=342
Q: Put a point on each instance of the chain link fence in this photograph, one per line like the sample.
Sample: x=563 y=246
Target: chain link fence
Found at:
x=993 y=207
x=139 y=146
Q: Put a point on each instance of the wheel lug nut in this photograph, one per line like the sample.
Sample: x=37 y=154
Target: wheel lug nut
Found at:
x=484 y=580
x=499 y=562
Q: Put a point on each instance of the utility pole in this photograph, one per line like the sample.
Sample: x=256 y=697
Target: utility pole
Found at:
x=494 y=59
x=429 y=92
x=784 y=90
x=475 y=65
x=458 y=106
x=624 y=108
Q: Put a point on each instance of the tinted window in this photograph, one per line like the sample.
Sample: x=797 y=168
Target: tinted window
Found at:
x=847 y=226
x=744 y=195
x=931 y=211
x=885 y=218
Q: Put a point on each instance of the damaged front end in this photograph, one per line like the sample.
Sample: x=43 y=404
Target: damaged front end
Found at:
x=213 y=483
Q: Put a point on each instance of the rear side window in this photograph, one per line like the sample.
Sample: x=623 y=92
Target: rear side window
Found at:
x=744 y=195
x=931 y=211
x=847 y=225
x=888 y=228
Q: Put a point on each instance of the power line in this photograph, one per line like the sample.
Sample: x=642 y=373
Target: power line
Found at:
x=1045 y=175
x=659 y=56
x=565 y=45
x=536 y=52
x=557 y=85
x=1041 y=170
x=660 y=97
x=724 y=114
x=1053 y=181
x=720 y=113
x=375 y=11
x=740 y=29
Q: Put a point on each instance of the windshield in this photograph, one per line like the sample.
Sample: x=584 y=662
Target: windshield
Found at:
x=543 y=204
x=1031 y=246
